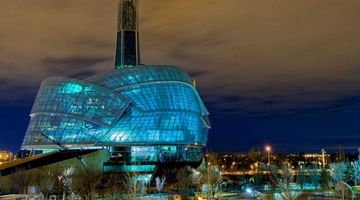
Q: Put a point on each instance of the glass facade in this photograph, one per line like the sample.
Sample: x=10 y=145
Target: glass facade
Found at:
x=142 y=106
x=144 y=114
x=144 y=158
x=127 y=45
x=126 y=54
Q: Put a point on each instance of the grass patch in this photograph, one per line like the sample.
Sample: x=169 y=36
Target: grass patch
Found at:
x=356 y=189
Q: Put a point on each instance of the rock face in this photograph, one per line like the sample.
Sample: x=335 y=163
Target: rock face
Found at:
x=341 y=189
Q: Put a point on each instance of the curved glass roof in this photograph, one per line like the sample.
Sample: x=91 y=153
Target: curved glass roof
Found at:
x=143 y=105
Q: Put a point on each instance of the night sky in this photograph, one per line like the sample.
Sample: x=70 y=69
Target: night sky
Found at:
x=279 y=72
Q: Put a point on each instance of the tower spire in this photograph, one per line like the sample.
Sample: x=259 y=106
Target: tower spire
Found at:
x=127 y=52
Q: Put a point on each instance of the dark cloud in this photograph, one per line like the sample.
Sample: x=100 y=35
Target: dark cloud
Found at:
x=250 y=59
x=3 y=81
x=70 y=64
x=95 y=43
x=270 y=102
x=82 y=74
x=231 y=99
x=281 y=55
x=196 y=73
x=25 y=88
x=182 y=54
x=349 y=104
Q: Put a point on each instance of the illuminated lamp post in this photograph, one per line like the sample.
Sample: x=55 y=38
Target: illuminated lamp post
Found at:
x=59 y=177
x=268 y=150
x=149 y=184
x=197 y=188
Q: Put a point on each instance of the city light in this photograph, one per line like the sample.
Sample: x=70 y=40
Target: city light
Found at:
x=248 y=190
x=6 y=156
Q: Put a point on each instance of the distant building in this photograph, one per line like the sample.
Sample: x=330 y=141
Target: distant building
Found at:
x=313 y=155
x=255 y=160
x=6 y=156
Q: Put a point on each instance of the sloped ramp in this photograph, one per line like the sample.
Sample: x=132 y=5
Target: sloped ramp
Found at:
x=39 y=161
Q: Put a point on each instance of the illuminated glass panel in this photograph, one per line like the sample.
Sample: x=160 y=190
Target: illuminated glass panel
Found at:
x=143 y=154
x=129 y=168
x=143 y=105
x=80 y=100
x=157 y=128
x=139 y=74
x=153 y=154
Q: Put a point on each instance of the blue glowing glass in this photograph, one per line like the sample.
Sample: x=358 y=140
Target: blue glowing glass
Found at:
x=142 y=105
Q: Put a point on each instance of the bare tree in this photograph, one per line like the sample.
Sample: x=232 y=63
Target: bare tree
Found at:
x=301 y=176
x=314 y=175
x=198 y=177
x=113 y=185
x=45 y=181
x=67 y=179
x=325 y=179
x=284 y=180
x=160 y=183
x=258 y=177
x=20 y=181
x=337 y=174
x=87 y=183
x=337 y=171
x=211 y=178
x=186 y=178
x=134 y=185
x=356 y=167
x=143 y=187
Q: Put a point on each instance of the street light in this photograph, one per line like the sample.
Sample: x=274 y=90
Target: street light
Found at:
x=249 y=192
x=268 y=150
x=59 y=177
x=197 y=189
x=149 y=183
